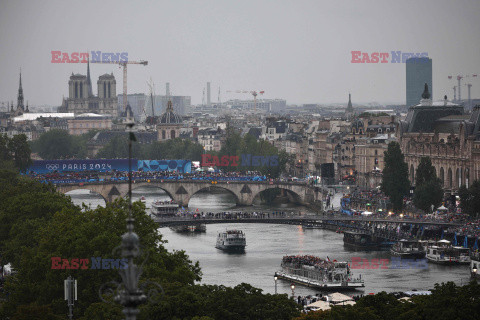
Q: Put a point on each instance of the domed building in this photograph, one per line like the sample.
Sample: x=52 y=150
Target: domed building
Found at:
x=169 y=124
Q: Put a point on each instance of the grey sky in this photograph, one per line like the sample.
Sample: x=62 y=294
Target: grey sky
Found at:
x=297 y=50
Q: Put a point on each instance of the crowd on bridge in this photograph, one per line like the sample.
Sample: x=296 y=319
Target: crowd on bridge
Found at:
x=234 y=215
x=138 y=176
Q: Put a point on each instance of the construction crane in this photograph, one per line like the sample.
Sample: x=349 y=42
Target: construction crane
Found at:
x=459 y=79
x=253 y=93
x=124 y=65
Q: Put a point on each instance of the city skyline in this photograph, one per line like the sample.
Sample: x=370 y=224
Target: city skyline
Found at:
x=298 y=51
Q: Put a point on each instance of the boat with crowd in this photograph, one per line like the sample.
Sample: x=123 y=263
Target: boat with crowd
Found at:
x=231 y=240
x=315 y=272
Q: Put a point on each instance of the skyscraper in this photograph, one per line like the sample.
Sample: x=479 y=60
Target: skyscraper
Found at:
x=419 y=72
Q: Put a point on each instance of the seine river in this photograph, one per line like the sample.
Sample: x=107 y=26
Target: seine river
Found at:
x=268 y=243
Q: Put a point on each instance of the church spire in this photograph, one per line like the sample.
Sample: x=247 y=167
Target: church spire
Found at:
x=89 y=82
x=20 y=93
x=349 y=106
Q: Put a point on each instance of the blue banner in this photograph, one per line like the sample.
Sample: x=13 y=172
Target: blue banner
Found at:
x=99 y=165
x=180 y=166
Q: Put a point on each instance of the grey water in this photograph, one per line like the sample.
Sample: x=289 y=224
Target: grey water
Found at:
x=268 y=243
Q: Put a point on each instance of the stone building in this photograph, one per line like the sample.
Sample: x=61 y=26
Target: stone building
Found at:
x=81 y=99
x=169 y=124
x=443 y=132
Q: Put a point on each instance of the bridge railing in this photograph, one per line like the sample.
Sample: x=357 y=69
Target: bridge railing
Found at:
x=171 y=179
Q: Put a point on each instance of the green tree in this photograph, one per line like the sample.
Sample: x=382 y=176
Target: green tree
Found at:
x=470 y=199
x=59 y=144
x=425 y=171
x=395 y=183
x=428 y=188
x=15 y=152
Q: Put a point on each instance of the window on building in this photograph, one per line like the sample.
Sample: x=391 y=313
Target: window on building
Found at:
x=376 y=152
x=376 y=161
x=104 y=89
x=163 y=134
x=81 y=89
x=172 y=134
x=109 y=92
x=76 y=90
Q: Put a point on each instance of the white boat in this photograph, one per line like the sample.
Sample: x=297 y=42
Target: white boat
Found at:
x=231 y=240
x=444 y=253
x=410 y=249
x=164 y=208
x=316 y=272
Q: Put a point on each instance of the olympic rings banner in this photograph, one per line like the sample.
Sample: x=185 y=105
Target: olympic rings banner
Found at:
x=103 y=165
x=100 y=165
x=181 y=166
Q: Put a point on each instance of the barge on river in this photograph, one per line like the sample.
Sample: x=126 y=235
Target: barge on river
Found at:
x=315 y=272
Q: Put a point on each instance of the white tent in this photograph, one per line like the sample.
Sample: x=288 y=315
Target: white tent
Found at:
x=442 y=208
x=366 y=213
x=320 y=305
x=338 y=297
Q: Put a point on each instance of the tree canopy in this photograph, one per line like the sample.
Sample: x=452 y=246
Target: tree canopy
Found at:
x=428 y=188
x=447 y=301
x=470 y=199
x=235 y=145
x=37 y=223
x=15 y=152
x=395 y=183
x=59 y=144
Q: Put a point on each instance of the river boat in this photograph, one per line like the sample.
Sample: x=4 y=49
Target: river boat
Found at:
x=231 y=240
x=164 y=208
x=475 y=264
x=364 y=241
x=444 y=253
x=194 y=228
x=409 y=249
x=315 y=272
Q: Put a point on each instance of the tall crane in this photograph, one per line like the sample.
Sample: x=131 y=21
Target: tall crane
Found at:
x=253 y=93
x=124 y=65
x=459 y=79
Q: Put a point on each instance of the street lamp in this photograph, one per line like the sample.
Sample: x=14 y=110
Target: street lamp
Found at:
x=474 y=272
x=275 y=278
x=292 y=286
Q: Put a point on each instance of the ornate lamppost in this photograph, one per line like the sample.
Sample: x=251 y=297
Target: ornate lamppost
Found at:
x=130 y=293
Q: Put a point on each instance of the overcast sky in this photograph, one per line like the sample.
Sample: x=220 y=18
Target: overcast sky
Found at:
x=297 y=50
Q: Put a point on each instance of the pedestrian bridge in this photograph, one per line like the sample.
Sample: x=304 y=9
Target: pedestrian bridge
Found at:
x=298 y=220
x=182 y=190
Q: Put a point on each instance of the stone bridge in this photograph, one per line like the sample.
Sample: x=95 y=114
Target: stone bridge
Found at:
x=182 y=190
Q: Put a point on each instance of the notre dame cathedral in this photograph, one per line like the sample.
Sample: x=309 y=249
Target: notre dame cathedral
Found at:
x=81 y=99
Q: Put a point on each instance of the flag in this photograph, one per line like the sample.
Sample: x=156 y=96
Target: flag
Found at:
x=465 y=242
x=455 y=239
x=475 y=246
x=328 y=259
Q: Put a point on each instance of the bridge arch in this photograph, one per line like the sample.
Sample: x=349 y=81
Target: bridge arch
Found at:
x=292 y=195
x=151 y=186
x=222 y=187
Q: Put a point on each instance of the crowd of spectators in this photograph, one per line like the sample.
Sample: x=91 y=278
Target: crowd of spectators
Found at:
x=95 y=176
